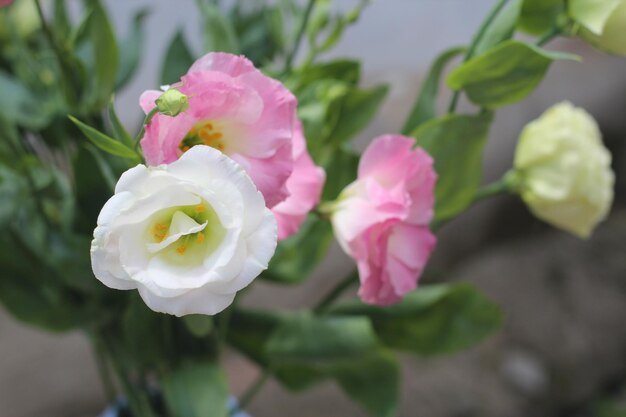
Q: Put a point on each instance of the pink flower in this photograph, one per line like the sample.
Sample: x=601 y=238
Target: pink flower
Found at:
x=304 y=185
x=5 y=2
x=381 y=219
x=233 y=107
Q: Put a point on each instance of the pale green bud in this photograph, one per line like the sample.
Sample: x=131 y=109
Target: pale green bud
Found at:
x=172 y=103
x=563 y=171
x=603 y=23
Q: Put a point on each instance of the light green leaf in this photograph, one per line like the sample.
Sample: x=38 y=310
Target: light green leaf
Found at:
x=434 y=319
x=502 y=28
x=197 y=389
x=219 y=33
x=505 y=74
x=456 y=143
x=119 y=130
x=357 y=111
x=132 y=50
x=424 y=108
x=104 y=142
x=178 y=59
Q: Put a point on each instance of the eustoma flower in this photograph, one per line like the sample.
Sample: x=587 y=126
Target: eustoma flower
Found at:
x=236 y=109
x=382 y=219
x=563 y=171
x=304 y=186
x=603 y=23
x=188 y=235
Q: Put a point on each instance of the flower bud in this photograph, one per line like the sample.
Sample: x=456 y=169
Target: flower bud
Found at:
x=22 y=15
x=563 y=171
x=172 y=103
x=603 y=23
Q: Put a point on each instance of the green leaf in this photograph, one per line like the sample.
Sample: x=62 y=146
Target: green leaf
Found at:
x=424 y=108
x=197 y=389
x=19 y=104
x=297 y=257
x=132 y=50
x=434 y=319
x=539 y=16
x=456 y=143
x=143 y=333
x=219 y=33
x=341 y=166
x=357 y=111
x=119 y=130
x=178 y=59
x=502 y=27
x=249 y=331
x=307 y=349
x=104 y=142
x=346 y=70
x=505 y=74
x=105 y=57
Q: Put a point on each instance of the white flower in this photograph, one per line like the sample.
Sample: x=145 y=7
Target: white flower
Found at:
x=187 y=235
x=564 y=170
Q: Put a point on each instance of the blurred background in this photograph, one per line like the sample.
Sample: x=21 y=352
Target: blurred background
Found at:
x=562 y=351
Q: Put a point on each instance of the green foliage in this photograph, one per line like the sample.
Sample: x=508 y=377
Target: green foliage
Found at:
x=132 y=50
x=456 y=143
x=501 y=28
x=119 y=131
x=104 y=142
x=219 y=32
x=197 y=389
x=21 y=105
x=178 y=59
x=433 y=320
x=539 y=16
x=505 y=74
x=425 y=107
x=198 y=324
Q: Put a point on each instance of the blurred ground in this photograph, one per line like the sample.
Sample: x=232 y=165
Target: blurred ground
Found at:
x=564 y=341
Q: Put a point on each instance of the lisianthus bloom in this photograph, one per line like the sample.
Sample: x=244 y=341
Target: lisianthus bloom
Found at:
x=563 y=170
x=236 y=109
x=187 y=235
x=603 y=23
x=382 y=219
x=304 y=185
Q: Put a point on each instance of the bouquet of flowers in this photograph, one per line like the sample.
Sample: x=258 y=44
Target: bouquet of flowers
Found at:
x=243 y=170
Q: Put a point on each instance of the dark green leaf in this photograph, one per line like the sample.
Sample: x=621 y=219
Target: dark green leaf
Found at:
x=424 y=108
x=357 y=111
x=501 y=29
x=345 y=70
x=341 y=169
x=434 y=319
x=178 y=59
x=143 y=333
x=297 y=257
x=19 y=104
x=132 y=50
x=505 y=74
x=197 y=389
x=105 y=56
x=539 y=16
x=456 y=143
x=104 y=142
x=249 y=331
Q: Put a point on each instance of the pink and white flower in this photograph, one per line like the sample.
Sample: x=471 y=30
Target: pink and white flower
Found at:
x=304 y=185
x=236 y=109
x=382 y=219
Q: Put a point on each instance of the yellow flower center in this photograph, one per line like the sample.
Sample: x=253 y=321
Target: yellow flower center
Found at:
x=208 y=133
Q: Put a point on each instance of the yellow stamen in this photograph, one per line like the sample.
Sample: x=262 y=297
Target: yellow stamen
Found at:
x=181 y=249
x=200 y=237
x=200 y=208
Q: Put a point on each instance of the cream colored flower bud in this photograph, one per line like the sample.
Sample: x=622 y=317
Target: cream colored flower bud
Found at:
x=564 y=170
x=603 y=23
x=172 y=103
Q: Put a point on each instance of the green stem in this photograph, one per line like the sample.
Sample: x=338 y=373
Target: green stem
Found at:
x=146 y=122
x=491 y=190
x=294 y=50
x=350 y=279
x=472 y=49
x=138 y=401
x=254 y=389
x=548 y=36
x=66 y=71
